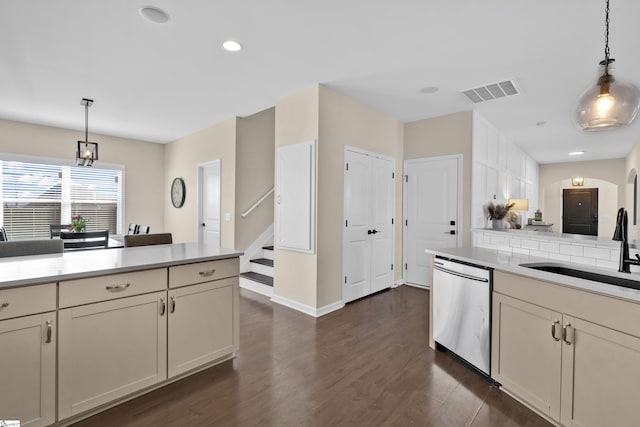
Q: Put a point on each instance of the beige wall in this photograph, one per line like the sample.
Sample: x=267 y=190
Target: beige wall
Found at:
x=182 y=158
x=607 y=175
x=442 y=136
x=255 y=151
x=144 y=174
x=343 y=122
x=295 y=273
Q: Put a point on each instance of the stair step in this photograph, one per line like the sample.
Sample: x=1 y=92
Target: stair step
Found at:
x=263 y=261
x=269 y=248
x=257 y=277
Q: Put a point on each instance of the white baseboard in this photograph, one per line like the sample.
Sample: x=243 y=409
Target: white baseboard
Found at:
x=256 y=287
x=307 y=309
x=254 y=249
x=397 y=283
x=413 y=285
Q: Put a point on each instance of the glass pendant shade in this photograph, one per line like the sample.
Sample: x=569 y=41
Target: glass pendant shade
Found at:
x=611 y=103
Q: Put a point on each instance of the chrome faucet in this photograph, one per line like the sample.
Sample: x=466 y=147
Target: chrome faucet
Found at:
x=621 y=235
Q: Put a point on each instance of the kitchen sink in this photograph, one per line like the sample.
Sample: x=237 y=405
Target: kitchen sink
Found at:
x=583 y=274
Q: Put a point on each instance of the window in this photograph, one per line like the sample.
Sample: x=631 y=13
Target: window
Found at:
x=37 y=193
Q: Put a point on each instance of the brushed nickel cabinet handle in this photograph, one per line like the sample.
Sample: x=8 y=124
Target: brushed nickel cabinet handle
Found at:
x=4 y=305
x=173 y=305
x=163 y=307
x=118 y=288
x=207 y=273
x=568 y=333
x=554 y=330
x=49 y=331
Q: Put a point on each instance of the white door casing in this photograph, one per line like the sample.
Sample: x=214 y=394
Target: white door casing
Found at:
x=209 y=203
x=432 y=202
x=368 y=216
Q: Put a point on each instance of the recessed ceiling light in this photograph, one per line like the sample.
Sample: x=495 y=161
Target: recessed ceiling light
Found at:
x=429 y=89
x=231 y=45
x=576 y=153
x=154 y=14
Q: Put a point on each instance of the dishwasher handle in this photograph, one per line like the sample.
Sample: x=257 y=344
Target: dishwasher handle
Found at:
x=466 y=276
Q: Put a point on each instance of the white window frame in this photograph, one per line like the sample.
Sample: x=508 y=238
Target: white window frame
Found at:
x=11 y=157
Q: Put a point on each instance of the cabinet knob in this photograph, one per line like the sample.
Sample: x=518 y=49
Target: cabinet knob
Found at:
x=118 y=288
x=555 y=330
x=207 y=273
x=568 y=332
x=49 y=332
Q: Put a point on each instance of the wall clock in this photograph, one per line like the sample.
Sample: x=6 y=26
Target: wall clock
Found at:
x=178 y=192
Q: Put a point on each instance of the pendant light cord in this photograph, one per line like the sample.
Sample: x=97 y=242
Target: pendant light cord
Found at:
x=86 y=120
x=606 y=40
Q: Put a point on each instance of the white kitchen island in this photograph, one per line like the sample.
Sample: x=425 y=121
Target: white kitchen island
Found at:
x=83 y=331
x=568 y=348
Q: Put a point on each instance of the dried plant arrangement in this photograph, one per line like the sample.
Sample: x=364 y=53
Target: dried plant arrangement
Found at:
x=498 y=211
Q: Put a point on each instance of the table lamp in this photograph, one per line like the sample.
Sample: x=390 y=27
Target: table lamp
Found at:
x=519 y=205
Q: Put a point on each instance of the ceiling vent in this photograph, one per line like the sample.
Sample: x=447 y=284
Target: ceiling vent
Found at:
x=492 y=91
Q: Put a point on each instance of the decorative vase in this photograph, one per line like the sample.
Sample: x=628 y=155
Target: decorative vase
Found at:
x=498 y=224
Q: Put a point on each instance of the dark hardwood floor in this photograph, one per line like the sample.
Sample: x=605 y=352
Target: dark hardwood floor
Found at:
x=368 y=364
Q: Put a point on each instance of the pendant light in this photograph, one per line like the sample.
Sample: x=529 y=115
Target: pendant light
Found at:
x=611 y=103
x=87 y=151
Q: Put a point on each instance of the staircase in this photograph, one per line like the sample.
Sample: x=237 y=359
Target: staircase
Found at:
x=260 y=278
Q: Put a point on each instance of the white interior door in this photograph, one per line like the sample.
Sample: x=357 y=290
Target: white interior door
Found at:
x=368 y=235
x=381 y=221
x=432 y=193
x=210 y=204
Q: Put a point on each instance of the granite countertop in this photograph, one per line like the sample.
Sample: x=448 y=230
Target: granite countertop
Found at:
x=36 y=269
x=511 y=264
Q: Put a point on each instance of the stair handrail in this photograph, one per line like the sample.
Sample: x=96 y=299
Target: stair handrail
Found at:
x=257 y=203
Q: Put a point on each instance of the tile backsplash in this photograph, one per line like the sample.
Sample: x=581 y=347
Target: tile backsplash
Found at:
x=555 y=248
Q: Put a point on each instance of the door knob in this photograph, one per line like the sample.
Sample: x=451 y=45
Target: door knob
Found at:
x=374 y=231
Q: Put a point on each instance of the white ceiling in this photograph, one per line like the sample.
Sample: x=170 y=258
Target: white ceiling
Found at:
x=159 y=82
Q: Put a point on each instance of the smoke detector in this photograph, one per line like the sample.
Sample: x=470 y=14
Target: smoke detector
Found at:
x=492 y=91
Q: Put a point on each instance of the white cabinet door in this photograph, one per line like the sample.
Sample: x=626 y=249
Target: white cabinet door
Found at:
x=110 y=349
x=525 y=356
x=600 y=376
x=201 y=324
x=295 y=197
x=368 y=235
x=28 y=369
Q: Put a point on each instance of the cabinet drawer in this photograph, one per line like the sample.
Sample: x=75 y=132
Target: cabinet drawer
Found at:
x=27 y=300
x=103 y=288
x=201 y=272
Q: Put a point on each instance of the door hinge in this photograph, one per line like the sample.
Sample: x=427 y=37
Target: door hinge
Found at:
x=346 y=222
x=345 y=279
x=405 y=266
x=392 y=266
x=347 y=166
x=391 y=221
x=393 y=175
x=406 y=222
x=406 y=178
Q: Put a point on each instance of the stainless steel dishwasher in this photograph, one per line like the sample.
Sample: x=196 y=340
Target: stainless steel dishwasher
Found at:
x=462 y=311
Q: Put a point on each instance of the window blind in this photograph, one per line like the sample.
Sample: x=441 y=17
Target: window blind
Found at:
x=34 y=195
x=31 y=198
